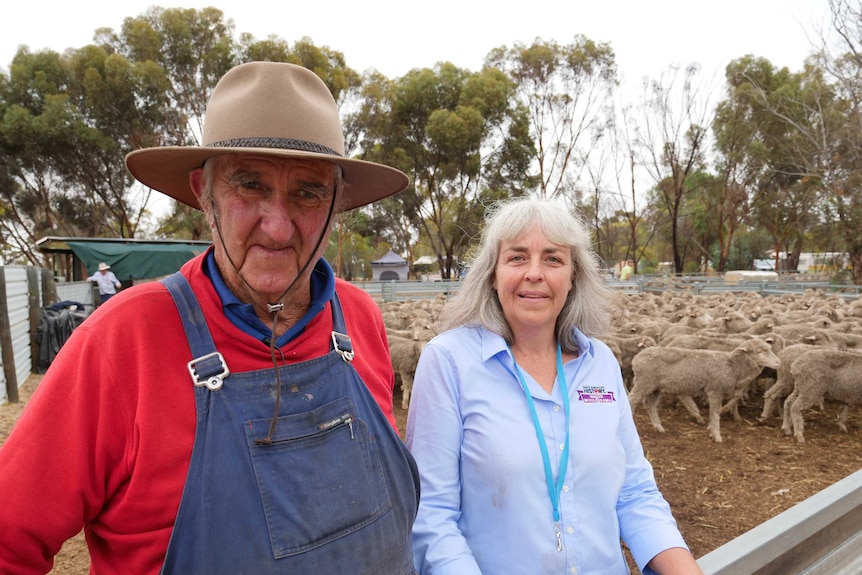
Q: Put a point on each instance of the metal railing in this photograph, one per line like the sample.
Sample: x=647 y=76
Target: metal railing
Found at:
x=401 y=290
x=388 y=291
x=821 y=535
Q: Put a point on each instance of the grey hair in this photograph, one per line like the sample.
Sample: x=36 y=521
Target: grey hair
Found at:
x=588 y=304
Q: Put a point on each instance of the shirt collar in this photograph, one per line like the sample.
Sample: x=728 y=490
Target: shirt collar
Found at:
x=493 y=344
x=242 y=315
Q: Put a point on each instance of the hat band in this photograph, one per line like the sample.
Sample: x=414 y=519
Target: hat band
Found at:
x=279 y=143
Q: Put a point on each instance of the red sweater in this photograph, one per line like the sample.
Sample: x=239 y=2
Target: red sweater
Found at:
x=106 y=438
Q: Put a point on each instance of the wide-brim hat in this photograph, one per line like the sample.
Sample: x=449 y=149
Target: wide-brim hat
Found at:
x=270 y=108
x=103 y=266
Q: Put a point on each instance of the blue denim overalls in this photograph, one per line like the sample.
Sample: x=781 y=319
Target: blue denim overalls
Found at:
x=335 y=492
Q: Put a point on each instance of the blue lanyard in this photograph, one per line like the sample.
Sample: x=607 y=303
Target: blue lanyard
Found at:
x=554 y=490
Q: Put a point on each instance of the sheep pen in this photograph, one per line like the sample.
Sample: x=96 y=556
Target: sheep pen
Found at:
x=717 y=491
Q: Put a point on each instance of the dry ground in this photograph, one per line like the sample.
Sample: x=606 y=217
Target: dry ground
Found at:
x=717 y=491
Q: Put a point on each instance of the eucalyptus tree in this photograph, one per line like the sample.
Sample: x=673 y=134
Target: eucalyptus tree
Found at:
x=190 y=49
x=566 y=91
x=745 y=138
x=784 y=112
x=840 y=131
x=624 y=193
x=812 y=165
x=67 y=122
x=460 y=137
x=672 y=143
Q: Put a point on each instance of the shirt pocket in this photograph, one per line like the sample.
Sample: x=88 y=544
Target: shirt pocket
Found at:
x=320 y=479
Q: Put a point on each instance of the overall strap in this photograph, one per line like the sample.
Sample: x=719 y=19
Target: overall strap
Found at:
x=340 y=340
x=208 y=368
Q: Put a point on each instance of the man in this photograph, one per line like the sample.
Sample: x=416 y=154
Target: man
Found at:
x=107 y=282
x=627 y=271
x=237 y=416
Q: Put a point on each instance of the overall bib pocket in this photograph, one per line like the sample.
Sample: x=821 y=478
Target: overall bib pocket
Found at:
x=340 y=487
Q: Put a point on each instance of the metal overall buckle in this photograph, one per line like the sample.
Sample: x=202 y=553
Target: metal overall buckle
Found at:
x=209 y=370
x=342 y=345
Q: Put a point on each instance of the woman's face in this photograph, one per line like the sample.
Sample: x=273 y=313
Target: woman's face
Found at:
x=533 y=277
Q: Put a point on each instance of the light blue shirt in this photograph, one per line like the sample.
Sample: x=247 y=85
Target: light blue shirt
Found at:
x=108 y=282
x=485 y=506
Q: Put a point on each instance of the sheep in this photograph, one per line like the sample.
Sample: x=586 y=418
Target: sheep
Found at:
x=702 y=340
x=795 y=333
x=783 y=385
x=696 y=317
x=733 y=322
x=686 y=372
x=615 y=349
x=850 y=341
x=822 y=373
x=677 y=329
x=629 y=347
x=854 y=308
x=763 y=324
x=708 y=340
x=405 y=352
x=653 y=328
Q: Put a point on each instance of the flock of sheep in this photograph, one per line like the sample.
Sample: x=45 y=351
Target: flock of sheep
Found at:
x=793 y=351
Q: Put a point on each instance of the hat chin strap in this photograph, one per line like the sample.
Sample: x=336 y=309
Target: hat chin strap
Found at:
x=278 y=305
x=274 y=308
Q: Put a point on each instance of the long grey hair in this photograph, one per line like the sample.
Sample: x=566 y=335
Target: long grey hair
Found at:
x=588 y=304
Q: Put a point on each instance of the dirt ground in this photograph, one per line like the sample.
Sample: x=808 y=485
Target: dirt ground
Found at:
x=717 y=491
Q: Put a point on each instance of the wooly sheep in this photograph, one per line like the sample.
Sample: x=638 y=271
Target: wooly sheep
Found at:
x=687 y=372
x=763 y=324
x=796 y=333
x=696 y=317
x=783 y=385
x=405 y=346
x=733 y=322
x=818 y=374
x=629 y=347
x=729 y=342
x=677 y=329
x=652 y=327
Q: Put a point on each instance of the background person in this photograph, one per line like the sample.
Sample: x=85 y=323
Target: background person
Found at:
x=107 y=282
x=236 y=417
x=527 y=451
x=627 y=271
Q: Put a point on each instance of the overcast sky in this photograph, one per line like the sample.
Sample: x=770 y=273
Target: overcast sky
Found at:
x=393 y=37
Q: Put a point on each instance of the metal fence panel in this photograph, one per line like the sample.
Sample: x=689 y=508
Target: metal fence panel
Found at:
x=81 y=292
x=817 y=536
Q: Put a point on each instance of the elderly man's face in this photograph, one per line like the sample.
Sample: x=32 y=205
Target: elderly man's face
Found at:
x=271 y=213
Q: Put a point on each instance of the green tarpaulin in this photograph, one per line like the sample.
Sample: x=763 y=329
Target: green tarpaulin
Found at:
x=132 y=261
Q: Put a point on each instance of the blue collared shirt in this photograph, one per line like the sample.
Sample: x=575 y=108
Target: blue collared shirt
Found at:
x=243 y=316
x=485 y=506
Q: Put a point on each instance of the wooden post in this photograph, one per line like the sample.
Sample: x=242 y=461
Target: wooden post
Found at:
x=34 y=305
x=6 y=351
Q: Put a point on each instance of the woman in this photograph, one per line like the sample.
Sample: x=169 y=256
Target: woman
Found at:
x=528 y=455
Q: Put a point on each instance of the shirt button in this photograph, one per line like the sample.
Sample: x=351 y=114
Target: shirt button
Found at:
x=556 y=408
x=562 y=446
x=570 y=530
x=566 y=488
x=573 y=571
